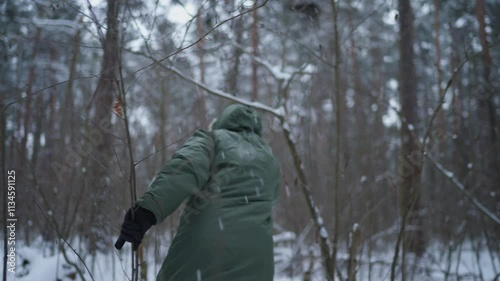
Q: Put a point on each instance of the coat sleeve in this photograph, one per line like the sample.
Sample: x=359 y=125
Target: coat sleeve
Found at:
x=182 y=176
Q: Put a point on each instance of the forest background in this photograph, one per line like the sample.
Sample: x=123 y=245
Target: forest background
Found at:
x=383 y=114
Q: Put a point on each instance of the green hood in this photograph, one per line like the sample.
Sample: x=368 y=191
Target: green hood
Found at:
x=238 y=118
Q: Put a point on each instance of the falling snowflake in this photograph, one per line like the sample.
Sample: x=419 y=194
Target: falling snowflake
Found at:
x=221 y=225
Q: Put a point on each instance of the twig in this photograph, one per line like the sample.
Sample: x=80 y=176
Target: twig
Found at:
x=278 y=112
x=132 y=179
x=65 y=241
x=149 y=65
x=46 y=88
x=201 y=37
x=449 y=175
x=161 y=149
x=94 y=19
x=442 y=96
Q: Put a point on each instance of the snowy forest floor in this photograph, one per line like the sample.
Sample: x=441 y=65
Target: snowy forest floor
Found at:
x=470 y=261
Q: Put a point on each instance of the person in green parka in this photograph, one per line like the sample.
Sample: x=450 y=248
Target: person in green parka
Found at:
x=231 y=181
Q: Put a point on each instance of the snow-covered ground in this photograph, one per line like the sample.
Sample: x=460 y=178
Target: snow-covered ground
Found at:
x=292 y=259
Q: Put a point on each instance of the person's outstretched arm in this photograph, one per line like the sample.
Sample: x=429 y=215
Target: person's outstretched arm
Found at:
x=182 y=176
x=187 y=171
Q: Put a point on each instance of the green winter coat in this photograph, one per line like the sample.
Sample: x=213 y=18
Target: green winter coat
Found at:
x=231 y=179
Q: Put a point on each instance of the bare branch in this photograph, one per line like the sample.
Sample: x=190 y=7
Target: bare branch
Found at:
x=278 y=112
x=449 y=175
x=161 y=149
x=65 y=241
x=46 y=88
x=284 y=77
x=443 y=95
x=93 y=17
x=201 y=37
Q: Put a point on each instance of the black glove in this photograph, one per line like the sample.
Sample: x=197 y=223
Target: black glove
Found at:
x=133 y=230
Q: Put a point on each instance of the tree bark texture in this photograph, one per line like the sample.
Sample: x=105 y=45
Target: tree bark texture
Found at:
x=486 y=110
x=410 y=160
x=100 y=180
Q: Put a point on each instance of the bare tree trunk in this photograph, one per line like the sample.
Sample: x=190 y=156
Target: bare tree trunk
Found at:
x=255 y=53
x=356 y=118
x=103 y=99
x=67 y=122
x=232 y=75
x=52 y=97
x=71 y=198
x=29 y=92
x=37 y=131
x=324 y=242
x=339 y=105
x=354 y=240
x=437 y=43
x=411 y=160
x=486 y=112
x=441 y=125
x=163 y=129
x=440 y=119
x=201 y=54
x=457 y=125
